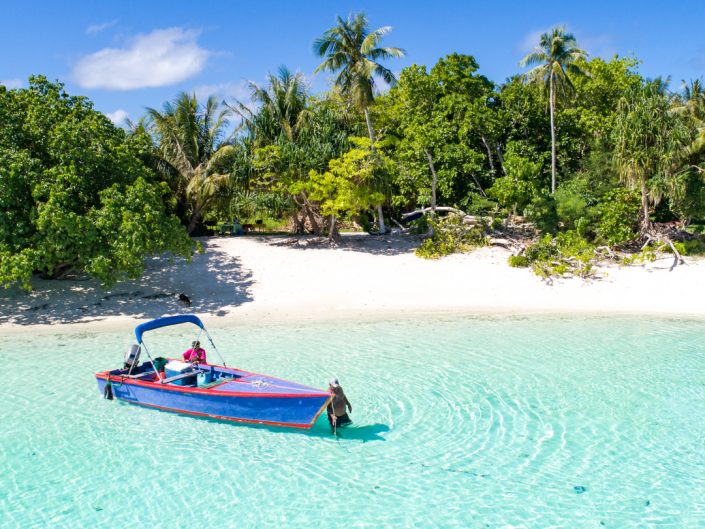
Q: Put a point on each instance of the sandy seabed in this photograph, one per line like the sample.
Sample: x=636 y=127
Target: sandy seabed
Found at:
x=257 y=279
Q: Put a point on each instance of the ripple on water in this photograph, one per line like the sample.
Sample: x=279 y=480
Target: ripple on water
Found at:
x=459 y=422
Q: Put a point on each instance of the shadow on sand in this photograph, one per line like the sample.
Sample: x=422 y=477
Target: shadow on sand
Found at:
x=211 y=281
x=352 y=242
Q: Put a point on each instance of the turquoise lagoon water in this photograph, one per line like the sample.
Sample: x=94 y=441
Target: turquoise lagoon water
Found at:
x=495 y=422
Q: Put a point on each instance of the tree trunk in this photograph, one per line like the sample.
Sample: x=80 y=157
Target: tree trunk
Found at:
x=645 y=222
x=489 y=154
x=434 y=182
x=477 y=183
x=500 y=158
x=553 y=138
x=300 y=223
x=310 y=215
x=331 y=229
x=195 y=218
x=371 y=131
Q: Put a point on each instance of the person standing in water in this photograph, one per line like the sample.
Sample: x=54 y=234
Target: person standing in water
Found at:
x=338 y=406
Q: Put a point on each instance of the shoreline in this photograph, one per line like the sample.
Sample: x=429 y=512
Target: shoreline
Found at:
x=127 y=324
x=258 y=280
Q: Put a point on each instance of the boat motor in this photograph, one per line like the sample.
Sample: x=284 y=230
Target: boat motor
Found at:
x=132 y=356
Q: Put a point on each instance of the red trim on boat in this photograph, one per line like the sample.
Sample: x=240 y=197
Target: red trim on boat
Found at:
x=201 y=391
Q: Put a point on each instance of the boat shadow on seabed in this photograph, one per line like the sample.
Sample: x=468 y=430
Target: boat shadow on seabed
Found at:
x=361 y=433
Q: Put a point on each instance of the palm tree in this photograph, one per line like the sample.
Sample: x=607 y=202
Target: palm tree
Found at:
x=353 y=49
x=191 y=143
x=555 y=58
x=693 y=106
x=282 y=107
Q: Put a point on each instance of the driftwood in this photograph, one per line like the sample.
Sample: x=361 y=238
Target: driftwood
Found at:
x=664 y=241
x=423 y=211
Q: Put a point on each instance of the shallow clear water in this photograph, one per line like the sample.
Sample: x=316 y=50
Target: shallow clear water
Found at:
x=459 y=422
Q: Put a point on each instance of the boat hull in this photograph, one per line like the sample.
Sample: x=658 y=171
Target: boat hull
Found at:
x=295 y=410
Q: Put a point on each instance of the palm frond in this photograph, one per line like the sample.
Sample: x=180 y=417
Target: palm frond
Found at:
x=353 y=51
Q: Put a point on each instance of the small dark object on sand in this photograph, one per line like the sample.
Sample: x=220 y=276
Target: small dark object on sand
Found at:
x=183 y=298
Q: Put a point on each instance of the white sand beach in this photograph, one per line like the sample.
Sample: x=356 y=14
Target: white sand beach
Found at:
x=259 y=279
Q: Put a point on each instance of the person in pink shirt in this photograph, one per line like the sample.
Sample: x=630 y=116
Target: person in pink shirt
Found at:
x=196 y=354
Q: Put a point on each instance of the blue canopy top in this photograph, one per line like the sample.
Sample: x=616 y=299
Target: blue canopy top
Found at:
x=165 y=322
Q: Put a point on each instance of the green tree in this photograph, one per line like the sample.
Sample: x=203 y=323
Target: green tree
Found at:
x=353 y=49
x=441 y=123
x=346 y=187
x=74 y=192
x=649 y=144
x=190 y=142
x=555 y=58
x=288 y=135
x=522 y=183
x=692 y=105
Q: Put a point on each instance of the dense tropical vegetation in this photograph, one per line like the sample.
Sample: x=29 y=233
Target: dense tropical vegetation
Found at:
x=581 y=157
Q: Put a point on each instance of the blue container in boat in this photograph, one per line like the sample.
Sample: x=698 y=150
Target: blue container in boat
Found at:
x=205 y=377
x=174 y=368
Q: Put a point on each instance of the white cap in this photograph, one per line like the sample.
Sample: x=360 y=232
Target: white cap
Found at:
x=334 y=382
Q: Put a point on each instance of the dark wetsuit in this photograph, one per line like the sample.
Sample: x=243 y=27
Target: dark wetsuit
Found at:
x=339 y=403
x=341 y=420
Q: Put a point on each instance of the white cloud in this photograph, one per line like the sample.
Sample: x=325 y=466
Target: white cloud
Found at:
x=160 y=58
x=118 y=117
x=97 y=28
x=11 y=84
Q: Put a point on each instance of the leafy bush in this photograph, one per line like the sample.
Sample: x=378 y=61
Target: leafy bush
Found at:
x=363 y=219
x=419 y=226
x=450 y=235
x=75 y=194
x=694 y=247
x=566 y=254
x=571 y=205
x=497 y=223
x=690 y=247
x=522 y=183
x=618 y=214
x=542 y=212
x=476 y=204
x=518 y=261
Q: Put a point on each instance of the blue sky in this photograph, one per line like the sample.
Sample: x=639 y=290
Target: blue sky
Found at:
x=129 y=55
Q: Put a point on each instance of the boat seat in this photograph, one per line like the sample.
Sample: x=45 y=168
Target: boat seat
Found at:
x=216 y=382
x=140 y=375
x=179 y=377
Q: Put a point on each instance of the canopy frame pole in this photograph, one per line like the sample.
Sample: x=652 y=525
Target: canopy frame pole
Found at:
x=215 y=348
x=142 y=344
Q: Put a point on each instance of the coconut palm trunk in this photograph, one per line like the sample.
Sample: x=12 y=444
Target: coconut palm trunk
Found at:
x=434 y=182
x=352 y=49
x=556 y=56
x=552 y=106
x=371 y=131
x=645 y=222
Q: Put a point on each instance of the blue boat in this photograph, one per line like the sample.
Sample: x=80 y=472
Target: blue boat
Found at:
x=208 y=390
